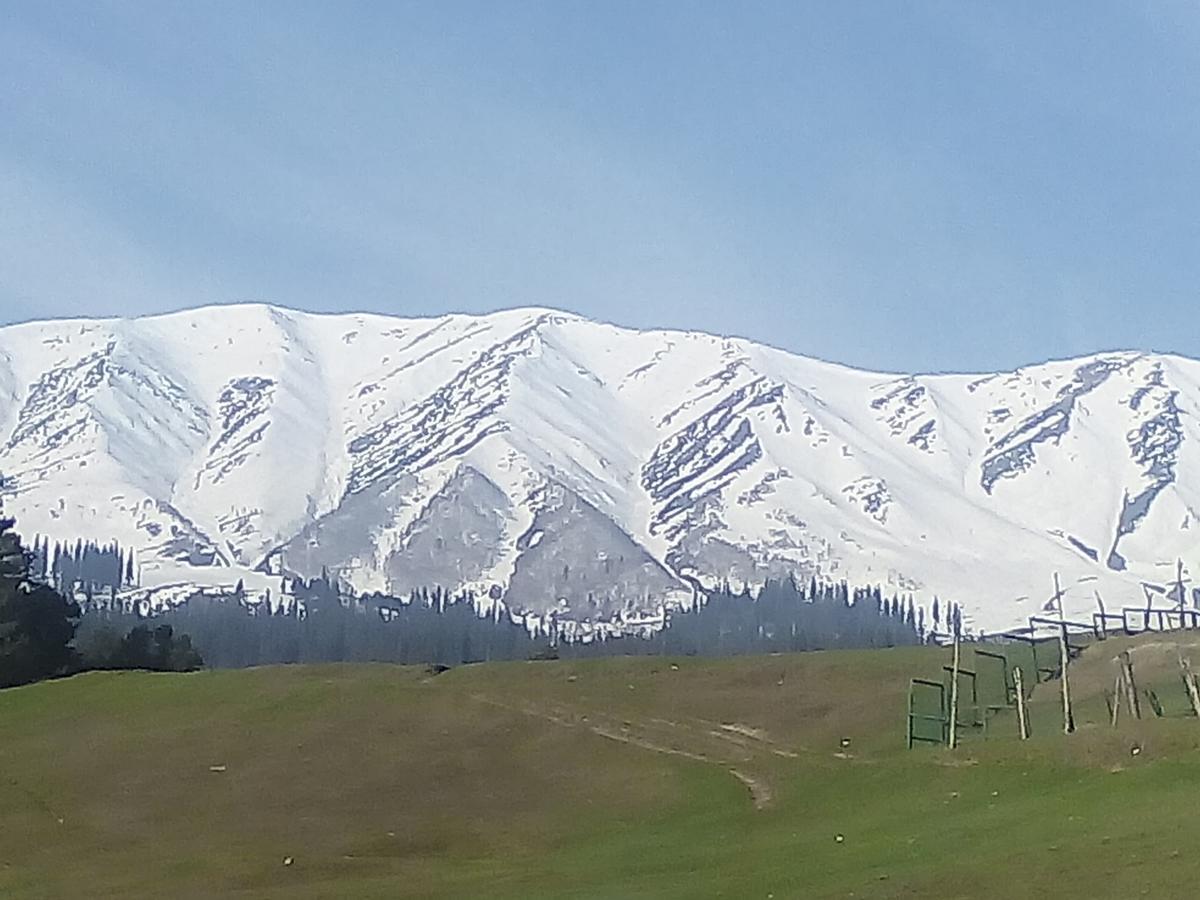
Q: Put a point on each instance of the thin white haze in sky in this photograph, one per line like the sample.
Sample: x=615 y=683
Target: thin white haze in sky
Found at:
x=920 y=186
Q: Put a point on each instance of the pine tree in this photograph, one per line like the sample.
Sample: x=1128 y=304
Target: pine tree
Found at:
x=37 y=625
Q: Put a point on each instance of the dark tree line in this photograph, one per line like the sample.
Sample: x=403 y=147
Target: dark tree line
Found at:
x=953 y=617
x=38 y=624
x=321 y=625
x=83 y=567
x=783 y=616
x=158 y=649
x=432 y=626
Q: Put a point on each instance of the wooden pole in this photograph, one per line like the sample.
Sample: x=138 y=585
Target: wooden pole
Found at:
x=1022 y=715
x=1131 y=697
x=1117 y=688
x=908 y=732
x=1189 y=682
x=1064 y=652
x=1103 y=633
x=954 y=695
x=1179 y=587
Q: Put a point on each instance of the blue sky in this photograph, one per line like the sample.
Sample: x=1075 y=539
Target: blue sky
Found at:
x=909 y=186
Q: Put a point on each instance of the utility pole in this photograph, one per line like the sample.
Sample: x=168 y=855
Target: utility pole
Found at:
x=1064 y=651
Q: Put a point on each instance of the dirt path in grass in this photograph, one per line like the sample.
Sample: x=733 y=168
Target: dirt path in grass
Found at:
x=721 y=745
x=760 y=791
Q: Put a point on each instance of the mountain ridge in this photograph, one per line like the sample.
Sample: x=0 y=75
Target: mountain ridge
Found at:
x=534 y=309
x=565 y=466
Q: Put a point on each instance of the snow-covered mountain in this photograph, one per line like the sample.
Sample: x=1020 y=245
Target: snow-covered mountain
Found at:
x=557 y=463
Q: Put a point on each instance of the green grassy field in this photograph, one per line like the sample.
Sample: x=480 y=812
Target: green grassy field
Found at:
x=613 y=778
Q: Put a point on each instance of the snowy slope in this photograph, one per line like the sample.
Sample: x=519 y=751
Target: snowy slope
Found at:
x=561 y=464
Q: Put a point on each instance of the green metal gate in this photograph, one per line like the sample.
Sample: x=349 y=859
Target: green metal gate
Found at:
x=927 y=721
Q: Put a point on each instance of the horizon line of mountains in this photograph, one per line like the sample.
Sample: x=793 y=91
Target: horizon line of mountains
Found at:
x=562 y=466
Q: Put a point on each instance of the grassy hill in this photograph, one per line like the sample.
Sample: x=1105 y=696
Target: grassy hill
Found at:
x=616 y=778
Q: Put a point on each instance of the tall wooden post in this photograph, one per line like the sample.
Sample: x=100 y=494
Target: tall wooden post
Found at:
x=1179 y=579
x=1022 y=714
x=954 y=694
x=1179 y=588
x=1064 y=652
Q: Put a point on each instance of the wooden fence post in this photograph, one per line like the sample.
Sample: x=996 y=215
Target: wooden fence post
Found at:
x=1189 y=682
x=908 y=730
x=1022 y=715
x=1118 y=685
x=1131 y=697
